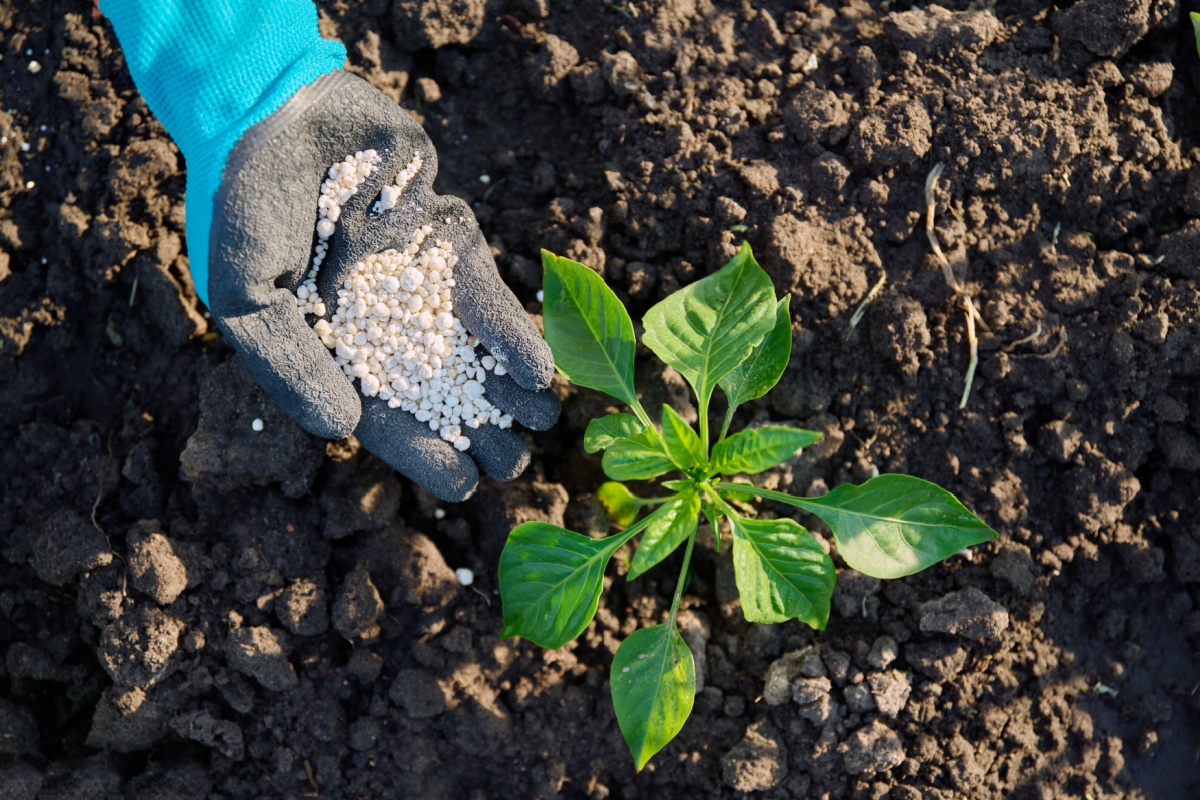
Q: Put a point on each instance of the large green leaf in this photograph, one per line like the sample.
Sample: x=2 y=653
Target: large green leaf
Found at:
x=781 y=572
x=587 y=328
x=756 y=449
x=602 y=432
x=683 y=443
x=895 y=525
x=619 y=503
x=550 y=581
x=755 y=376
x=707 y=328
x=637 y=458
x=653 y=683
x=660 y=538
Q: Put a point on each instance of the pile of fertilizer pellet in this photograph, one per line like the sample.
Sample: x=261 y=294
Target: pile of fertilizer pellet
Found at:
x=394 y=329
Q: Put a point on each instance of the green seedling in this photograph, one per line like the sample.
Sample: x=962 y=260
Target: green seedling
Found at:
x=726 y=331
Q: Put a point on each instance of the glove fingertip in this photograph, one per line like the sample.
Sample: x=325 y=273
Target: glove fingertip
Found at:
x=501 y=453
x=537 y=411
x=410 y=448
x=531 y=366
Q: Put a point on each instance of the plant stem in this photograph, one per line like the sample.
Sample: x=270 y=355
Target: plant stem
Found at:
x=627 y=534
x=719 y=502
x=725 y=425
x=806 y=503
x=653 y=501
x=641 y=414
x=704 y=427
x=687 y=560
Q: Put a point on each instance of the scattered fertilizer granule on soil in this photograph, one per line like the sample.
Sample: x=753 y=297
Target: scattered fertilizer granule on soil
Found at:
x=394 y=329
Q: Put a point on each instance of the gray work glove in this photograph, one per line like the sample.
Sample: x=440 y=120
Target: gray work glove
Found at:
x=261 y=247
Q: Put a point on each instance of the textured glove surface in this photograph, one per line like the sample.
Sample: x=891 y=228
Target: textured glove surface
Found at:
x=261 y=247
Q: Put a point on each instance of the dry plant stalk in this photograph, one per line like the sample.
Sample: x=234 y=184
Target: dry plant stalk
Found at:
x=870 y=298
x=952 y=282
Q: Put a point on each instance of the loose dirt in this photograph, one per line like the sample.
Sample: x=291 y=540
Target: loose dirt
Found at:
x=192 y=609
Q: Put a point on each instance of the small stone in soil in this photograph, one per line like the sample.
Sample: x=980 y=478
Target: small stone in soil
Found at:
x=135 y=649
x=859 y=699
x=154 y=569
x=358 y=606
x=968 y=613
x=259 y=653
x=883 y=652
x=891 y=691
x=302 y=609
x=871 y=750
x=758 y=762
x=777 y=684
x=812 y=695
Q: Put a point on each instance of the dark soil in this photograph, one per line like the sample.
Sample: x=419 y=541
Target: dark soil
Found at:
x=190 y=609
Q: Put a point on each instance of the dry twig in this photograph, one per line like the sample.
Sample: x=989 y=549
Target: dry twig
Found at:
x=952 y=282
x=1008 y=348
x=870 y=298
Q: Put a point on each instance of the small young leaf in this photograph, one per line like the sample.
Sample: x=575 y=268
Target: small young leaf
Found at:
x=781 y=572
x=756 y=449
x=587 y=328
x=637 y=458
x=661 y=537
x=709 y=327
x=1196 y=27
x=550 y=581
x=755 y=376
x=602 y=432
x=895 y=525
x=620 y=504
x=683 y=443
x=653 y=683
x=678 y=485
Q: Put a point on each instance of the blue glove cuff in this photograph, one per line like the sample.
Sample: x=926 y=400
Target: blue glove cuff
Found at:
x=212 y=69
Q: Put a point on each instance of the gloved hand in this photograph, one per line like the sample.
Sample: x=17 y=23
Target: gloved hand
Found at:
x=258 y=104
x=261 y=247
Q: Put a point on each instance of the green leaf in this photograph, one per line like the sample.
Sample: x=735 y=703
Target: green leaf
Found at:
x=756 y=449
x=755 y=376
x=550 y=581
x=603 y=432
x=709 y=327
x=619 y=503
x=683 y=443
x=587 y=328
x=637 y=458
x=680 y=485
x=1196 y=27
x=781 y=571
x=895 y=525
x=661 y=537
x=653 y=683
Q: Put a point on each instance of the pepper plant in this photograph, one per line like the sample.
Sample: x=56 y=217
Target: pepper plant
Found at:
x=725 y=331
